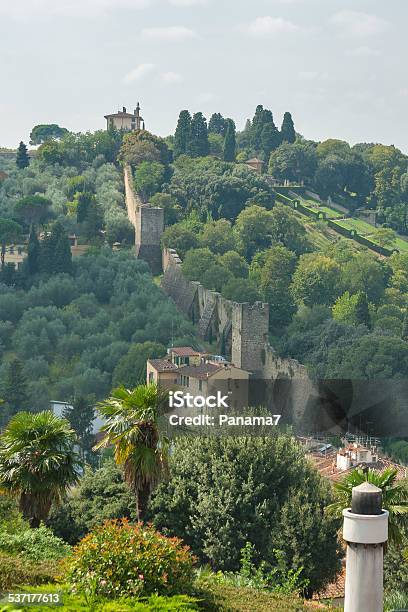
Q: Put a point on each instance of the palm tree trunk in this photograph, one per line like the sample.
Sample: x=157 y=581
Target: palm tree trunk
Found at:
x=142 y=499
x=3 y=254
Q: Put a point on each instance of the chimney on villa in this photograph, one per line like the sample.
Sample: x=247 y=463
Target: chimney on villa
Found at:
x=124 y=109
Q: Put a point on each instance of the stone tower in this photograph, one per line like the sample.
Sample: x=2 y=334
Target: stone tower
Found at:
x=250 y=327
x=148 y=231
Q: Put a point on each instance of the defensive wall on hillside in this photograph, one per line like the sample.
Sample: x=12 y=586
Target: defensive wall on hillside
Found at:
x=148 y=222
x=239 y=330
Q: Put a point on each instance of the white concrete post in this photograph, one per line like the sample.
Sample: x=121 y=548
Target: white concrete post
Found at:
x=365 y=529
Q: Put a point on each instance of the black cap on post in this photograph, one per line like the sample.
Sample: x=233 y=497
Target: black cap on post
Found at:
x=366 y=499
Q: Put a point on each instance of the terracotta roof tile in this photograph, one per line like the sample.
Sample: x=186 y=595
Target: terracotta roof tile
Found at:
x=163 y=365
x=184 y=351
x=202 y=371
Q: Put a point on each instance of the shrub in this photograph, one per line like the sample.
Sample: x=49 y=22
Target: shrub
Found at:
x=34 y=544
x=15 y=571
x=119 y=559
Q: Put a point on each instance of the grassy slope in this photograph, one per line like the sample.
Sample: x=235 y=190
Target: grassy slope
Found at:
x=217 y=598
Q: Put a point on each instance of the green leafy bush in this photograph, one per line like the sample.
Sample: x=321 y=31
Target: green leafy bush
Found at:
x=118 y=559
x=15 y=571
x=34 y=544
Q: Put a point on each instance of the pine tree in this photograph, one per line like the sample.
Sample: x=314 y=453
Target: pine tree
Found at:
x=288 y=133
x=229 y=142
x=14 y=392
x=22 y=159
x=198 y=145
x=33 y=253
x=182 y=134
x=362 y=313
x=217 y=124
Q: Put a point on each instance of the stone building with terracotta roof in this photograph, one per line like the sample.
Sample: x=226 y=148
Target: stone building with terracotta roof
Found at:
x=200 y=374
x=256 y=164
x=128 y=122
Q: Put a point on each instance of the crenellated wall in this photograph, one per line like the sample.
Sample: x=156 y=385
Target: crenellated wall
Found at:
x=241 y=329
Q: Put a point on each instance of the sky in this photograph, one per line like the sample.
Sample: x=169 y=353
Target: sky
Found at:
x=339 y=66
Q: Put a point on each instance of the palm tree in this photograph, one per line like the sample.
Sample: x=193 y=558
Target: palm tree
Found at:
x=132 y=427
x=38 y=463
x=394 y=496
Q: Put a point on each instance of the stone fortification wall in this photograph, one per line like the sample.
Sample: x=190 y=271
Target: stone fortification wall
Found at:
x=241 y=329
x=148 y=222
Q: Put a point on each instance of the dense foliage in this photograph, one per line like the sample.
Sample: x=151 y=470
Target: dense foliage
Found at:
x=101 y=494
x=224 y=492
x=71 y=332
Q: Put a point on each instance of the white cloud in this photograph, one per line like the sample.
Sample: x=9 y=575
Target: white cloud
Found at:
x=187 y=2
x=308 y=75
x=138 y=73
x=264 y=26
x=169 y=34
x=363 y=52
x=171 y=78
x=25 y=9
x=356 y=23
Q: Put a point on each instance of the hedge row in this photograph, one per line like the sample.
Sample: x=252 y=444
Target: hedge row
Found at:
x=348 y=233
x=354 y=235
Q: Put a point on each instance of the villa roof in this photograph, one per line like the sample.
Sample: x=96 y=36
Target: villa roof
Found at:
x=120 y=114
x=202 y=371
x=162 y=365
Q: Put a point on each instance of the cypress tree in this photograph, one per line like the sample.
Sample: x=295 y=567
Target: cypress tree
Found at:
x=84 y=200
x=362 y=312
x=22 y=159
x=182 y=134
x=47 y=247
x=262 y=118
x=33 y=253
x=270 y=139
x=14 y=392
x=56 y=254
x=62 y=250
x=229 y=142
x=198 y=145
x=405 y=327
x=81 y=416
x=217 y=124
x=288 y=133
